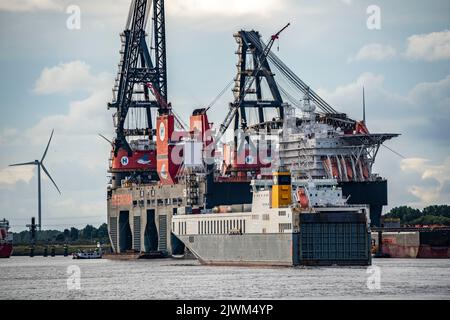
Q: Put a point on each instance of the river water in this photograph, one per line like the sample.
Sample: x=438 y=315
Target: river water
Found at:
x=57 y=278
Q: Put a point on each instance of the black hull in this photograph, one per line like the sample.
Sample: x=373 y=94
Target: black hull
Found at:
x=372 y=193
x=228 y=193
x=177 y=246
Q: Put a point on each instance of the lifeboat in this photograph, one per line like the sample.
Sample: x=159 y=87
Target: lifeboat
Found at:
x=302 y=198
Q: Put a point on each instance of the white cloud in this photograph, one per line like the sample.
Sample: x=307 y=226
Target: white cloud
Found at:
x=85 y=209
x=431 y=97
x=13 y=175
x=429 y=47
x=7 y=135
x=374 y=52
x=441 y=173
x=77 y=158
x=30 y=5
x=188 y=8
x=348 y=98
x=179 y=8
x=229 y=8
x=75 y=137
x=437 y=91
x=69 y=77
x=75 y=131
x=421 y=116
x=85 y=117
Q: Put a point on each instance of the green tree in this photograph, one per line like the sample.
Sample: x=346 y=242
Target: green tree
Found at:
x=432 y=219
x=435 y=214
x=60 y=237
x=404 y=213
x=74 y=233
x=66 y=234
x=437 y=210
x=88 y=232
x=94 y=234
x=47 y=235
x=103 y=231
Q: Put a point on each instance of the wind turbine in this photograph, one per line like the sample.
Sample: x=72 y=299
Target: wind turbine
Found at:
x=40 y=164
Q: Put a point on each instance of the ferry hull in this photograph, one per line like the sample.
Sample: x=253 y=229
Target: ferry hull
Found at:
x=283 y=249
x=329 y=236
x=246 y=249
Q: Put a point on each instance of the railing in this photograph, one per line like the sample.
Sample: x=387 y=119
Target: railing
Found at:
x=409 y=229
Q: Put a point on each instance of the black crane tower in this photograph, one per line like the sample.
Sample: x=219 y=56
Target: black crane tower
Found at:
x=253 y=68
x=139 y=74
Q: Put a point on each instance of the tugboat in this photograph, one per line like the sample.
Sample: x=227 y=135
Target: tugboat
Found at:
x=6 y=239
x=90 y=254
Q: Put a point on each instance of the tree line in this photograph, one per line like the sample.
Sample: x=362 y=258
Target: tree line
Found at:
x=88 y=234
x=431 y=215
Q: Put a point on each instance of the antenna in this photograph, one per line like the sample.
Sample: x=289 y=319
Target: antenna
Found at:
x=364 y=107
x=107 y=140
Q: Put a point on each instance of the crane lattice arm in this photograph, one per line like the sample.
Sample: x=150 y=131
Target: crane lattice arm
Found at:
x=138 y=68
x=234 y=107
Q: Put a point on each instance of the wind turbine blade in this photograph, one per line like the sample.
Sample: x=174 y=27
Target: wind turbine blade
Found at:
x=48 y=144
x=22 y=164
x=48 y=175
x=110 y=142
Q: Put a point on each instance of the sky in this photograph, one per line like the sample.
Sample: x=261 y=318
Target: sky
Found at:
x=54 y=76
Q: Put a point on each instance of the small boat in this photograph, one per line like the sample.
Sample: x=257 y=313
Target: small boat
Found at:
x=91 y=254
x=87 y=255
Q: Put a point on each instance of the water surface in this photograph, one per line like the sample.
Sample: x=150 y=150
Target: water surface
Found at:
x=46 y=278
